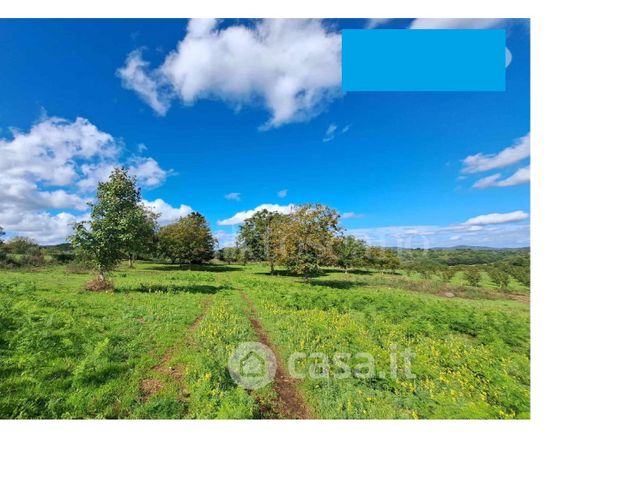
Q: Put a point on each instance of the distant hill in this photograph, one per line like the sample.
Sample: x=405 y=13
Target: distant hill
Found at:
x=61 y=247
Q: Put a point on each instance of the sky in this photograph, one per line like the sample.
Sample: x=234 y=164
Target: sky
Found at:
x=227 y=117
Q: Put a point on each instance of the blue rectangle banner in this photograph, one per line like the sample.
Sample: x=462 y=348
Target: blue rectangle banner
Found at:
x=423 y=60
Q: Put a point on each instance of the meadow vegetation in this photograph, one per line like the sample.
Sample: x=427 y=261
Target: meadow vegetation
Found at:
x=153 y=339
x=135 y=351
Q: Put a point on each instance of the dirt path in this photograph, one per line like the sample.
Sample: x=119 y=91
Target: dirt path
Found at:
x=152 y=385
x=289 y=404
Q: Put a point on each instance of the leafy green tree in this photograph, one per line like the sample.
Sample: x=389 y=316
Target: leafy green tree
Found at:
x=499 y=277
x=229 y=254
x=447 y=273
x=144 y=229
x=303 y=241
x=473 y=276
x=112 y=230
x=22 y=245
x=382 y=258
x=188 y=240
x=255 y=235
x=349 y=251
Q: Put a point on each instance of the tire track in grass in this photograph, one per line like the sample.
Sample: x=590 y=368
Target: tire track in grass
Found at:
x=289 y=404
x=152 y=385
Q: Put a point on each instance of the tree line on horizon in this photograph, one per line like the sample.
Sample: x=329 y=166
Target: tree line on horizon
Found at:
x=121 y=227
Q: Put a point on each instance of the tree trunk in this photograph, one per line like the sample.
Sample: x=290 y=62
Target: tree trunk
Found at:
x=130 y=261
x=272 y=268
x=101 y=276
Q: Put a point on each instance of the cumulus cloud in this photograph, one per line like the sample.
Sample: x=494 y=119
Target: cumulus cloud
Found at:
x=495 y=218
x=522 y=175
x=479 y=162
x=49 y=151
x=147 y=171
x=292 y=67
x=233 y=196
x=50 y=171
x=168 y=213
x=41 y=226
x=282 y=193
x=241 y=216
x=136 y=75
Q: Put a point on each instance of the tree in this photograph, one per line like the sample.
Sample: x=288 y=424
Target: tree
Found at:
x=188 y=240
x=473 y=276
x=303 y=241
x=112 y=231
x=447 y=273
x=255 y=234
x=349 y=251
x=144 y=228
x=382 y=258
x=22 y=245
x=229 y=254
x=500 y=277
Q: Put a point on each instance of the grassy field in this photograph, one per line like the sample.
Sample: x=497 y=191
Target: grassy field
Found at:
x=158 y=345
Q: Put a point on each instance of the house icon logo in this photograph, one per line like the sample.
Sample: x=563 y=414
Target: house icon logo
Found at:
x=252 y=365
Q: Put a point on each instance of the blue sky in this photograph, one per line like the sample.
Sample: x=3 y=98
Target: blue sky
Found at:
x=218 y=118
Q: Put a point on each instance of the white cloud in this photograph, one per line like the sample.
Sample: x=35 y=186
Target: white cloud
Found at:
x=233 y=196
x=350 y=215
x=141 y=147
x=282 y=193
x=168 y=213
x=495 y=218
x=290 y=66
x=49 y=151
x=41 y=226
x=330 y=133
x=373 y=23
x=241 y=216
x=479 y=162
x=147 y=171
x=92 y=174
x=40 y=169
x=50 y=171
x=148 y=84
x=522 y=175
x=457 y=23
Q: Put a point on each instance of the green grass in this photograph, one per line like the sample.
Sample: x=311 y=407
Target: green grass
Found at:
x=69 y=353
